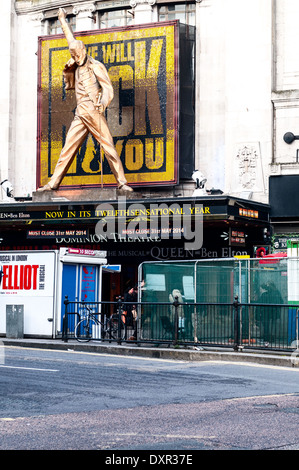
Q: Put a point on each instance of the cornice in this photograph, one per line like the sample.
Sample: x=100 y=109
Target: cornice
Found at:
x=134 y=3
x=23 y=8
x=82 y=8
x=33 y=6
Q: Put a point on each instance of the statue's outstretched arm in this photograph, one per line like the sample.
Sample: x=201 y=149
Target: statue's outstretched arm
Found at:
x=65 y=26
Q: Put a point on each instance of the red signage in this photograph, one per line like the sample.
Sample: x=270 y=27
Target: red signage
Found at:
x=19 y=277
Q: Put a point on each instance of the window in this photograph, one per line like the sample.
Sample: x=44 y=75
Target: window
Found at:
x=55 y=26
x=155 y=282
x=188 y=285
x=115 y=18
x=185 y=12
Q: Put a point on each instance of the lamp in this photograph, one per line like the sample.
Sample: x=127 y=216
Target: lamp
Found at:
x=289 y=137
x=200 y=181
x=7 y=188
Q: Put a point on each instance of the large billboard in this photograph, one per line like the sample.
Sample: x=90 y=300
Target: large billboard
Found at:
x=143 y=64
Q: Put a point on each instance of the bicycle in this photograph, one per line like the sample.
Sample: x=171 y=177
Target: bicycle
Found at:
x=89 y=325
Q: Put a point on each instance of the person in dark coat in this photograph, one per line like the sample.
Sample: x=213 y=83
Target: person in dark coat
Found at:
x=130 y=296
x=269 y=315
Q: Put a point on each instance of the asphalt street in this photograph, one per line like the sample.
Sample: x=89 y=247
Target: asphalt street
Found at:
x=67 y=400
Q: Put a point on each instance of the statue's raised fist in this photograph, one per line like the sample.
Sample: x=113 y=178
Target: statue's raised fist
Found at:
x=61 y=13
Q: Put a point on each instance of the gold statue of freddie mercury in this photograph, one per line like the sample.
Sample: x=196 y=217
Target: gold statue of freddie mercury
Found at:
x=94 y=93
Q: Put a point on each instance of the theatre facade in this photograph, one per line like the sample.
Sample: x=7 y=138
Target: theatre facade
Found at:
x=193 y=133
x=171 y=214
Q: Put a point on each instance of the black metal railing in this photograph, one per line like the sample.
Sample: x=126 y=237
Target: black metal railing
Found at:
x=234 y=325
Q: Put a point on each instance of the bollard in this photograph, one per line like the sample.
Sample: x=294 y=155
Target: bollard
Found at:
x=236 y=309
x=297 y=328
x=176 y=304
x=119 y=310
x=65 y=320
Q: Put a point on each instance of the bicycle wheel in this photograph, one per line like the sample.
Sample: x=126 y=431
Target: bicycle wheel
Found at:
x=84 y=329
x=114 y=329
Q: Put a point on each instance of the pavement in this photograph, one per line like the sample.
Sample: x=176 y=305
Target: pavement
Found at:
x=182 y=353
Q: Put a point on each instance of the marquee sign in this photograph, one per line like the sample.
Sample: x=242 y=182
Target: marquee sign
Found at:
x=223 y=208
x=142 y=63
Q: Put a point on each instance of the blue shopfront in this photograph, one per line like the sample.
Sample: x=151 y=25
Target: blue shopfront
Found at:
x=81 y=276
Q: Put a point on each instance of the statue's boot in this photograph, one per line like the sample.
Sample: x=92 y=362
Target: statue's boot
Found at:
x=125 y=188
x=47 y=187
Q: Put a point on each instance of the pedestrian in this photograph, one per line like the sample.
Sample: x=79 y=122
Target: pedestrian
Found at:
x=131 y=297
x=270 y=314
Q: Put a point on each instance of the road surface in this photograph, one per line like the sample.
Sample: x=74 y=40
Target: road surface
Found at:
x=66 y=400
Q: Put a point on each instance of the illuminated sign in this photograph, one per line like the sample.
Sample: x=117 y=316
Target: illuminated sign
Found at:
x=83 y=252
x=248 y=213
x=142 y=63
x=76 y=212
x=57 y=233
x=237 y=238
x=98 y=211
